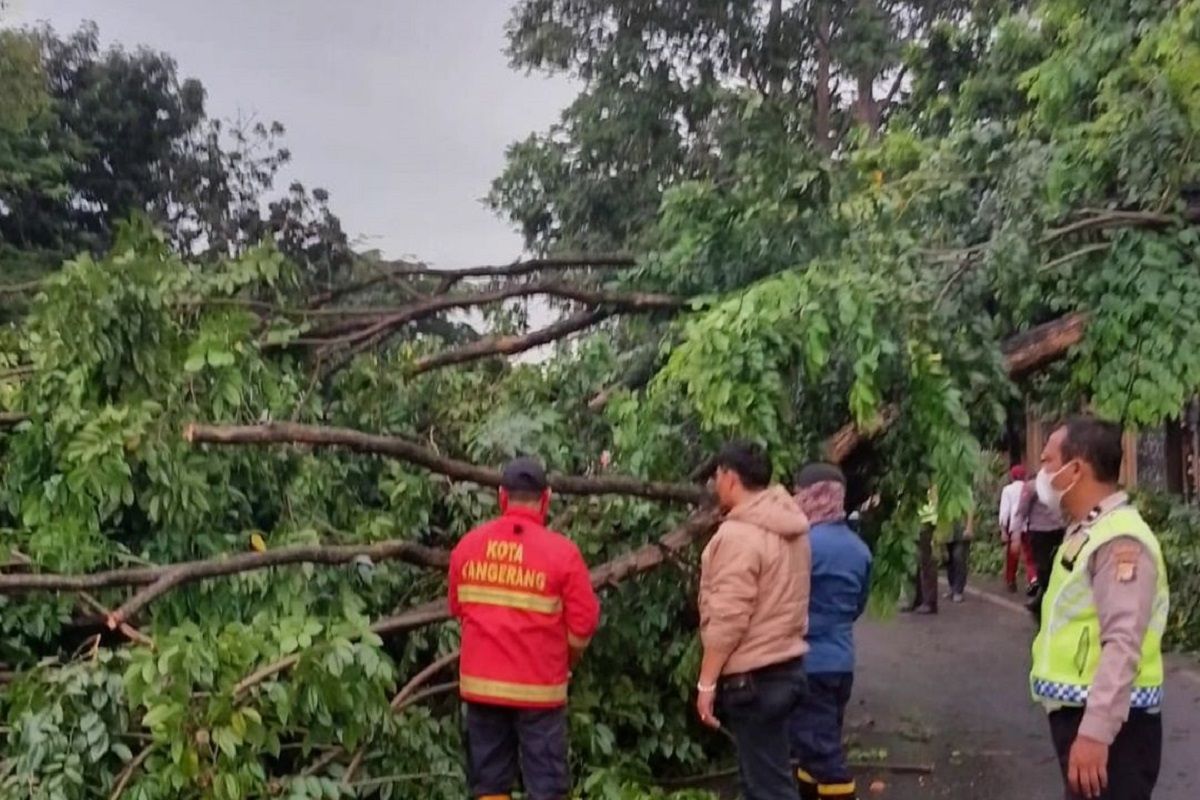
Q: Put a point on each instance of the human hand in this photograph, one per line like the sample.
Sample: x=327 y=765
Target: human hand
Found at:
x=704 y=708
x=1087 y=767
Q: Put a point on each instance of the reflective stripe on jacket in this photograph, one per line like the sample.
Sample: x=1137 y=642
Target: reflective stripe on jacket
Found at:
x=523 y=596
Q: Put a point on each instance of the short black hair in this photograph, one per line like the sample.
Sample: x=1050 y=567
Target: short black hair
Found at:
x=1097 y=442
x=747 y=460
x=820 y=472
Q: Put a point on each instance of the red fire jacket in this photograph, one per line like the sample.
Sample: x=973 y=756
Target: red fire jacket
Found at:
x=522 y=594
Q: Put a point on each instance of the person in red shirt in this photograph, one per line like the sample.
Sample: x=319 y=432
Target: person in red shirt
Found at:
x=525 y=602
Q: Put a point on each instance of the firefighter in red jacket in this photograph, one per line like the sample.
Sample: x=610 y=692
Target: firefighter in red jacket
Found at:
x=525 y=601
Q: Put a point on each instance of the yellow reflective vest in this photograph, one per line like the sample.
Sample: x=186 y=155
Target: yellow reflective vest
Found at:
x=1066 y=652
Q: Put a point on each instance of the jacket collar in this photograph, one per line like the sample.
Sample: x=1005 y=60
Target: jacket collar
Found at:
x=526 y=513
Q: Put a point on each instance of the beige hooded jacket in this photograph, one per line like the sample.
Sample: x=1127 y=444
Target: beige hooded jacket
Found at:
x=754 y=583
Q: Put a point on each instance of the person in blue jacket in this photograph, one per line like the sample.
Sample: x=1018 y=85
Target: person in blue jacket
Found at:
x=841 y=573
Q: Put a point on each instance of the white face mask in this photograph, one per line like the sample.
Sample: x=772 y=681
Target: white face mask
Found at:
x=1050 y=496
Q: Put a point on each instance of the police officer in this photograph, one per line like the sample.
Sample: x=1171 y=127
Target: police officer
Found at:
x=525 y=601
x=1097 y=660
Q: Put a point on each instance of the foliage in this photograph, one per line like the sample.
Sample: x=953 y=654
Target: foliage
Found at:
x=667 y=91
x=1010 y=185
x=1178 y=529
x=92 y=136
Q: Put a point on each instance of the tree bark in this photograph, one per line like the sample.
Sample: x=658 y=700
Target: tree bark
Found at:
x=358 y=331
x=169 y=576
x=510 y=345
x=319 y=436
x=823 y=90
x=774 y=50
x=449 y=277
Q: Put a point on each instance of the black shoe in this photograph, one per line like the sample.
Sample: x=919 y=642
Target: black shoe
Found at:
x=1012 y=587
x=1033 y=589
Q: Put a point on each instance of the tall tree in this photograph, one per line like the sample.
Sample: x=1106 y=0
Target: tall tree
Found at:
x=120 y=133
x=668 y=86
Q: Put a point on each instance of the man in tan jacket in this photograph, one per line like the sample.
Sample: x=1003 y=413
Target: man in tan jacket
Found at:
x=754 y=587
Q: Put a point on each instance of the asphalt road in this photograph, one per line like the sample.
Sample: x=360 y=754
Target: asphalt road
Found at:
x=950 y=693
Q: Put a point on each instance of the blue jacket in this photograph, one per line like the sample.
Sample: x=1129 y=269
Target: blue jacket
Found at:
x=841 y=577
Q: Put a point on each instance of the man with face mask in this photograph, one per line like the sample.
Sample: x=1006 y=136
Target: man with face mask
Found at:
x=1097 y=660
x=841 y=577
x=754 y=585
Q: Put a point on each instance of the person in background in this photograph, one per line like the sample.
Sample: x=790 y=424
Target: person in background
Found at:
x=1097 y=660
x=841 y=576
x=754 y=582
x=957 y=541
x=925 y=591
x=1016 y=544
x=524 y=598
x=1044 y=527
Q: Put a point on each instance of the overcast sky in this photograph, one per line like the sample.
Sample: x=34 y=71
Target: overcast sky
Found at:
x=400 y=108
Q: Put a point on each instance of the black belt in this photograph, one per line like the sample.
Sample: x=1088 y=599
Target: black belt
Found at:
x=768 y=671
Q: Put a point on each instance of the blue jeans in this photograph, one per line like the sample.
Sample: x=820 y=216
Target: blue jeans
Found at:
x=816 y=729
x=755 y=707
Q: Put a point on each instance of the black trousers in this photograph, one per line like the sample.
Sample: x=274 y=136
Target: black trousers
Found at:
x=500 y=738
x=755 y=707
x=1045 y=546
x=925 y=589
x=958 y=564
x=1133 y=759
x=816 y=732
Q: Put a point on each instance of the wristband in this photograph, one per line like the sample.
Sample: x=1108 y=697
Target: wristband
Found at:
x=703 y=689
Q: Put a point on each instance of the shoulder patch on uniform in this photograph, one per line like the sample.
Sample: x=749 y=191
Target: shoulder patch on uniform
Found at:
x=1125 y=559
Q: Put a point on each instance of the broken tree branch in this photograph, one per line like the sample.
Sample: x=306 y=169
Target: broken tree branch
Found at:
x=396 y=272
x=510 y=345
x=20 y=288
x=388 y=320
x=405 y=450
x=517 y=268
x=16 y=372
x=130 y=632
x=415 y=683
x=160 y=579
x=10 y=419
x=127 y=773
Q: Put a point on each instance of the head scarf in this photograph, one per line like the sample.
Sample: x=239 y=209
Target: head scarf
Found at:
x=824 y=501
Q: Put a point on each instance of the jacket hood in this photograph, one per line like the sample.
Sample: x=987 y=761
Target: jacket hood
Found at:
x=773 y=510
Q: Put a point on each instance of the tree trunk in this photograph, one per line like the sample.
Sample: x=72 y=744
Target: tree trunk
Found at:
x=866 y=108
x=822 y=90
x=774 y=49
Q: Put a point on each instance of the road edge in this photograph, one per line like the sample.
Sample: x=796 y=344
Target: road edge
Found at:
x=1180 y=664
